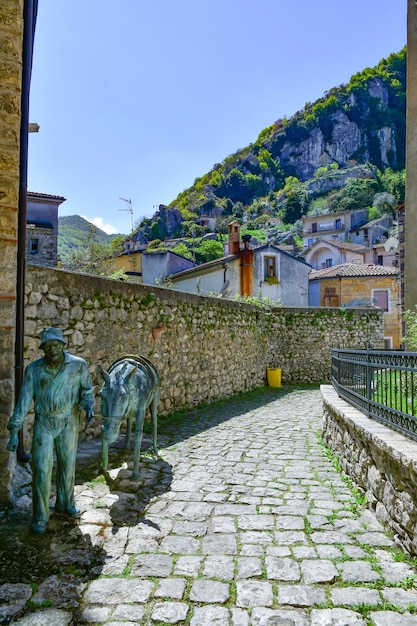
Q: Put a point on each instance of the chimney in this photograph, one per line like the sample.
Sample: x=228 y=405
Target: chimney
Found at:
x=234 y=237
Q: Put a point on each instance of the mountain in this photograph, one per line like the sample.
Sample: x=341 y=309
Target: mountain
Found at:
x=335 y=154
x=74 y=232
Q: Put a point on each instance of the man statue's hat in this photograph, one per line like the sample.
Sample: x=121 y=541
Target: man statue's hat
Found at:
x=52 y=334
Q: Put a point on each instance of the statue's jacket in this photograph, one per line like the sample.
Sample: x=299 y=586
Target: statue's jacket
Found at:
x=58 y=395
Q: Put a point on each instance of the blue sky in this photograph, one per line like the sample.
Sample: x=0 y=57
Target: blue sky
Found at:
x=137 y=98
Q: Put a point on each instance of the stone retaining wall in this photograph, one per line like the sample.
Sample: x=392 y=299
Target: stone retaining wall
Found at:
x=381 y=461
x=204 y=348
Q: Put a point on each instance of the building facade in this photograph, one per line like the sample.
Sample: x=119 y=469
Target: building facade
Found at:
x=264 y=272
x=333 y=226
x=361 y=285
x=42 y=229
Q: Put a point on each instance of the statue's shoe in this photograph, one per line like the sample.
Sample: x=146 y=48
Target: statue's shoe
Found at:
x=71 y=511
x=38 y=527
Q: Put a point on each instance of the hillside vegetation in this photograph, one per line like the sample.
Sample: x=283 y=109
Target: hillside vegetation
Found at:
x=338 y=153
x=76 y=235
x=345 y=151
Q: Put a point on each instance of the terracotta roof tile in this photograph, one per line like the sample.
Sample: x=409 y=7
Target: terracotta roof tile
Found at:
x=354 y=269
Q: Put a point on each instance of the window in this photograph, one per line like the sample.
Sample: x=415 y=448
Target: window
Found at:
x=34 y=246
x=380 y=260
x=365 y=233
x=329 y=262
x=338 y=224
x=380 y=298
x=314 y=227
x=270 y=267
x=309 y=242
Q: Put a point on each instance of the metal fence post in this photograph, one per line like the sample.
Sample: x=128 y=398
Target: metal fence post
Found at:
x=368 y=379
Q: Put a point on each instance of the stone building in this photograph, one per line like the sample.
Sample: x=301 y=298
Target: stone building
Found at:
x=42 y=229
x=361 y=285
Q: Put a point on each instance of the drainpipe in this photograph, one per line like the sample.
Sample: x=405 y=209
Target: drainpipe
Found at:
x=246 y=268
x=340 y=289
x=29 y=21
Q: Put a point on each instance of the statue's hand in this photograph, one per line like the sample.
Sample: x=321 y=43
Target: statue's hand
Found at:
x=13 y=442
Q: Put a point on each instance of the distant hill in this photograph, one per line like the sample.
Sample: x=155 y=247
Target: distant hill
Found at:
x=74 y=231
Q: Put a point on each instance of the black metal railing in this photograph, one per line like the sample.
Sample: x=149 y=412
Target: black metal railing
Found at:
x=381 y=384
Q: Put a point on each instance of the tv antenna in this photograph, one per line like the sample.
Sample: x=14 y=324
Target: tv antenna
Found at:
x=130 y=209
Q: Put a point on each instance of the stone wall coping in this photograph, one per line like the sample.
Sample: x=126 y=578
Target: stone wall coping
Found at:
x=392 y=442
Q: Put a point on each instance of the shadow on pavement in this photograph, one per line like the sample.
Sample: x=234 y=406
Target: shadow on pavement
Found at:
x=37 y=571
x=114 y=492
x=187 y=423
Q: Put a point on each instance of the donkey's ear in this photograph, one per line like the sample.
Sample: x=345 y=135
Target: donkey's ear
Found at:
x=134 y=370
x=105 y=375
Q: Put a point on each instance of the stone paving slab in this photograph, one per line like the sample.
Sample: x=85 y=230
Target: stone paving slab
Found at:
x=242 y=520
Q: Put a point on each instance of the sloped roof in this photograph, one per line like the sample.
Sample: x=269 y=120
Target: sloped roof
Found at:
x=210 y=265
x=44 y=197
x=204 y=267
x=348 y=270
x=378 y=220
x=340 y=245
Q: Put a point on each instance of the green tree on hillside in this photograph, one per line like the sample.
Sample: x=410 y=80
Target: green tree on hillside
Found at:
x=95 y=258
x=208 y=250
x=358 y=193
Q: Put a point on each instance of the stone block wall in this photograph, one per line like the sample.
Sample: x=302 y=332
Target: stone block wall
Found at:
x=379 y=460
x=11 y=34
x=204 y=348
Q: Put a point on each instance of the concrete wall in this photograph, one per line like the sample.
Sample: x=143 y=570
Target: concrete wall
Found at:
x=204 y=348
x=214 y=279
x=292 y=289
x=381 y=461
x=158 y=265
x=11 y=33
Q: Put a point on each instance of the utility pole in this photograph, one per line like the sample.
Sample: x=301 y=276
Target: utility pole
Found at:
x=130 y=209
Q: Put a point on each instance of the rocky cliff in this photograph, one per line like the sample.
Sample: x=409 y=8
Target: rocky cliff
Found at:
x=357 y=129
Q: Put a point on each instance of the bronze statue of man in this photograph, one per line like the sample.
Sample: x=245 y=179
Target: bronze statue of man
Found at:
x=59 y=384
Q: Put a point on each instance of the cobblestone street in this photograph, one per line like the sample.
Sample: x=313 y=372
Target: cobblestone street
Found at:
x=244 y=519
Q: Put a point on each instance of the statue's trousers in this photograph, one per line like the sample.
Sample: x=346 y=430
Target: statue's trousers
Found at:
x=61 y=431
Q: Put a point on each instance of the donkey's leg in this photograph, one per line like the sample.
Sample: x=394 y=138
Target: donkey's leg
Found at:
x=104 y=453
x=138 y=441
x=128 y=432
x=154 y=413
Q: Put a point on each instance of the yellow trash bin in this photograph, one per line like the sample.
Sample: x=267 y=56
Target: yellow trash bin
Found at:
x=273 y=375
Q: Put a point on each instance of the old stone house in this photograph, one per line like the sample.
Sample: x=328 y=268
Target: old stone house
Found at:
x=361 y=285
x=42 y=229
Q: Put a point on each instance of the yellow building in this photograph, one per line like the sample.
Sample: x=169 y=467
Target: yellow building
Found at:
x=359 y=285
x=131 y=264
